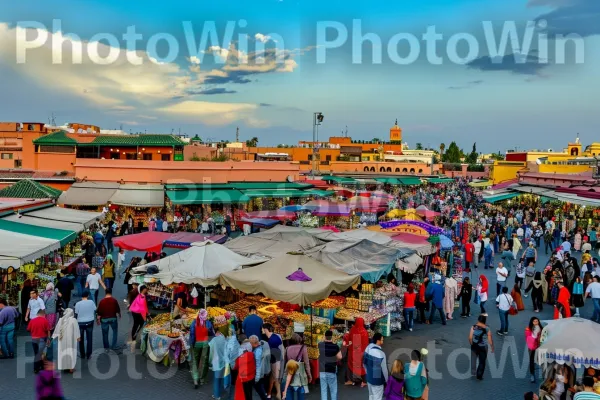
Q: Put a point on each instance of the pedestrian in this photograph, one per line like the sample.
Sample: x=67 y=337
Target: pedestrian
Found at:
x=469 y=255
x=47 y=383
x=82 y=271
x=409 y=306
x=97 y=262
x=139 y=312
x=201 y=331
x=8 y=318
x=109 y=272
x=277 y=360
x=35 y=304
x=133 y=293
x=548 y=244
x=520 y=273
x=218 y=362
x=294 y=382
x=423 y=302
x=593 y=291
x=529 y=275
x=480 y=339
x=120 y=261
x=516 y=295
x=109 y=237
x=531 y=396
x=530 y=254
x=357 y=341
x=533 y=334
x=232 y=352
x=85 y=310
x=578 y=295
x=93 y=283
x=375 y=364
x=50 y=298
x=262 y=358
x=68 y=334
x=329 y=357
x=501 y=276
x=253 y=324
x=394 y=390
x=588 y=392
x=98 y=241
x=40 y=338
x=415 y=377
x=504 y=301
x=245 y=366
x=517 y=246
x=437 y=294
x=562 y=308
x=482 y=292
x=488 y=254
x=107 y=315
x=466 y=292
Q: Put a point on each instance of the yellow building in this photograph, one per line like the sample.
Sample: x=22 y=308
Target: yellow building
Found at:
x=503 y=171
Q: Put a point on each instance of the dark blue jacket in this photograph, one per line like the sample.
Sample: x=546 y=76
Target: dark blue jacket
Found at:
x=436 y=293
x=375 y=365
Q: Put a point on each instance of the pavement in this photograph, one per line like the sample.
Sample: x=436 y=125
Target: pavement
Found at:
x=132 y=376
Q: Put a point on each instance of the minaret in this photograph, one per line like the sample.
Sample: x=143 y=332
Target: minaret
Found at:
x=396 y=133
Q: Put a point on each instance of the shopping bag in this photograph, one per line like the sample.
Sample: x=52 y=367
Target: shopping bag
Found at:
x=476 y=300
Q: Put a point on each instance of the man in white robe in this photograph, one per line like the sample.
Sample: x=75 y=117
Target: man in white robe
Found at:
x=67 y=333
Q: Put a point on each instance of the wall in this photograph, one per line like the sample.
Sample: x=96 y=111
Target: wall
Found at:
x=55 y=162
x=503 y=171
x=395 y=168
x=183 y=171
x=156 y=152
x=199 y=151
x=564 y=168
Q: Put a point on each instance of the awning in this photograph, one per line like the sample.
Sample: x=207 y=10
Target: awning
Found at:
x=183 y=240
x=284 y=193
x=88 y=194
x=19 y=249
x=320 y=193
x=63 y=236
x=531 y=190
x=48 y=223
x=192 y=196
x=481 y=184
x=146 y=241
x=139 y=195
x=438 y=180
x=388 y=181
x=85 y=218
x=501 y=197
x=260 y=222
x=410 y=180
x=410 y=264
x=339 y=179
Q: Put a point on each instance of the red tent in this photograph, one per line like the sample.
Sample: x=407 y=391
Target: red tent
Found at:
x=145 y=241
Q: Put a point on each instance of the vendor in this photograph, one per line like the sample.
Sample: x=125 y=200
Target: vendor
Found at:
x=181 y=300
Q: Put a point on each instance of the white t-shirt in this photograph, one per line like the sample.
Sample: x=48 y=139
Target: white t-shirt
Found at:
x=566 y=246
x=499 y=277
x=120 y=261
x=520 y=232
x=477 y=246
x=35 y=306
x=504 y=301
x=594 y=290
x=93 y=281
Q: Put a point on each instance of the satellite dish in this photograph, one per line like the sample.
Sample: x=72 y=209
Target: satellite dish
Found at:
x=290 y=179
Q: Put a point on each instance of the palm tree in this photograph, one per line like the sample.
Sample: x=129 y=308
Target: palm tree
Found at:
x=442 y=148
x=252 y=142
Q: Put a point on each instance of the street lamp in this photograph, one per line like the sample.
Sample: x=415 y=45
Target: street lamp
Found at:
x=318 y=118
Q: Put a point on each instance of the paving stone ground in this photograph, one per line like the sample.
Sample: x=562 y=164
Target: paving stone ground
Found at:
x=132 y=376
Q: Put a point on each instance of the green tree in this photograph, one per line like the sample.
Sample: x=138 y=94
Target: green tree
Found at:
x=419 y=146
x=472 y=157
x=497 y=156
x=442 y=149
x=252 y=142
x=375 y=140
x=452 y=155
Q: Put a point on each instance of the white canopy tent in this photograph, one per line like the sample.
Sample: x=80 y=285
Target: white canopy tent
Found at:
x=202 y=264
x=48 y=223
x=22 y=249
x=86 y=218
x=409 y=264
x=558 y=344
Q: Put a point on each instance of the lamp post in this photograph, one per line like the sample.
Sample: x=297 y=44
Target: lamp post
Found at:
x=317 y=120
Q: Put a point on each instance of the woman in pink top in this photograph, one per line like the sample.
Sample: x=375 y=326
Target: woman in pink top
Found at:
x=139 y=311
x=533 y=335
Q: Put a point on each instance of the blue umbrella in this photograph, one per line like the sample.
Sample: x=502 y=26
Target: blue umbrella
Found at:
x=446 y=242
x=294 y=208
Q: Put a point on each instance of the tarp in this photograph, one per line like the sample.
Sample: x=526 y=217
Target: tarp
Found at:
x=259 y=222
x=446 y=243
x=271 y=214
x=270 y=279
x=360 y=234
x=251 y=246
x=427 y=213
x=500 y=197
x=365 y=258
x=332 y=209
x=294 y=208
x=201 y=264
x=63 y=236
x=47 y=223
x=414 y=242
x=145 y=241
x=88 y=194
x=183 y=240
x=135 y=195
x=571 y=341
x=207 y=196
x=66 y=214
x=284 y=233
x=24 y=248
x=409 y=264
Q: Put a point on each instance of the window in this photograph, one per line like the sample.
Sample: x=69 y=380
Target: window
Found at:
x=56 y=149
x=30 y=127
x=327 y=158
x=382 y=169
x=18 y=163
x=147 y=156
x=412 y=170
x=366 y=169
x=115 y=155
x=372 y=169
x=130 y=156
x=389 y=169
x=404 y=170
x=420 y=171
x=7 y=156
x=397 y=170
x=165 y=157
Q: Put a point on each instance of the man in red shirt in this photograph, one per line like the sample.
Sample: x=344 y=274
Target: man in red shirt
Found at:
x=469 y=255
x=40 y=338
x=106 y=314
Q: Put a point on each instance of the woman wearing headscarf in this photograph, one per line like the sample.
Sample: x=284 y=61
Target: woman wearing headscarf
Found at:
x=218 y=362
x=232 y=352
x=67 y=333
x=357 y=342
x=50 y=297
x=200 y=333
x=537 y=292
x=245 y=365
x=108 y=272
x=482 y=291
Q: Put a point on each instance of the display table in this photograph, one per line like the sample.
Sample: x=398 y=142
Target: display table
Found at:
x=161 y=348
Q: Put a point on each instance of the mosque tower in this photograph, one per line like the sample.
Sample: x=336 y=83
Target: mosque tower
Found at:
x=395 y=133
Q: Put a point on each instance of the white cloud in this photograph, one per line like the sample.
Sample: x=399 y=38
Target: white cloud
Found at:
x=262 y=38
x=194 y=60
x=212 y=113
x=133 y=123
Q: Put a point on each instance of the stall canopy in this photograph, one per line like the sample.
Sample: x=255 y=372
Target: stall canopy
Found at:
x=18 y=249
x=409 y=264
x=558 y=346
x=409 y=180
x=293 y=208
x=271 y=214
x=62 y=236
x=500 y=197
x=365 y=258
x=88 y=194
x=332 y=210
x=48 y=223
x=271 y=279
x=183 y=240
x=251 y=246
x=136 y=195
x=259 y=222
x=413 y=242
x=360 y=234
x=201 y=264
x=427 y=213
x=340 y=180
x=207 y=196
x=145 y=241
x=85 y=218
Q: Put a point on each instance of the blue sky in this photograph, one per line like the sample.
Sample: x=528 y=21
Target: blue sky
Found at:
x=487 y=98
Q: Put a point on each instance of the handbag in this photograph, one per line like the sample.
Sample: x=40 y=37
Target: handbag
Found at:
x=513 y=308
x=476 y=300
x=302 y=370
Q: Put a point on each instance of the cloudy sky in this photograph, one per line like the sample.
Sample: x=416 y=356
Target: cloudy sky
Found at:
x=441 y=67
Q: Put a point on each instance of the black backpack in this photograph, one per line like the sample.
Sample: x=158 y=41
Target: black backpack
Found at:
x=478 y=335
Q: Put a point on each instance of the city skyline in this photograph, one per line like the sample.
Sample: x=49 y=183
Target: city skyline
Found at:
x=265 y=70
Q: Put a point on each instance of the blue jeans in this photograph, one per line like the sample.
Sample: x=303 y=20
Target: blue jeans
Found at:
x=482 y=306
x=328 y=380
x=499 y=286
x=112 y=324
x=503 y=321
x=7 y=339
x=38 y=349
x=80 y=284
x=409 y=317
x=440 y=310
x=86 y=329
x=596 y=316
x=218 y=383
x=296 y=393
x=94 y=296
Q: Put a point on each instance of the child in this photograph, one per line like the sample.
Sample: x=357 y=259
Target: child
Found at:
x=577 y=295
x=294 y=387
x=394 y=389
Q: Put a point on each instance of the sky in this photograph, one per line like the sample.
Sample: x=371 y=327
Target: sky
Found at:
x=513 y=74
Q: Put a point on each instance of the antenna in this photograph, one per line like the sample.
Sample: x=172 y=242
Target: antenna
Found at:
x=237 y=134
x=121 y=127
x=346 y=131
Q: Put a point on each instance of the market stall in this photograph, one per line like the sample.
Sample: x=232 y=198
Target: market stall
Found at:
x=183 y=240
x=85 y=218
x=146 y=241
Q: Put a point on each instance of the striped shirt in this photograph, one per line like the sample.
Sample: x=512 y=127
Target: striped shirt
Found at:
x=586 y=396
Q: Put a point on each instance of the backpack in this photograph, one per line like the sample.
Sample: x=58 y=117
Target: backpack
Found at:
x=478 y=336
x=530 y=271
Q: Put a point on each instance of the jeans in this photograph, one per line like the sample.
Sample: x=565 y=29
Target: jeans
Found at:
x=112 y=324
x=295 y=393
x=488 y=262
x=138 y=324
x=328 y=381
x=503 y=321
x=531 y=362
x=499 y=286
x=218 y=383
x=200 y=353
x=109 y=282
x=38 y=349
x=466 y=307
x=596 y=316
x=87 y=329
x=94 y=296
x=109 y=246
x=7 y=339
x=409 y=314
x=440 y=310
x=259 y=388
x=375 y=392
x=478 y=353
x=482 y=306
x=80 y=284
